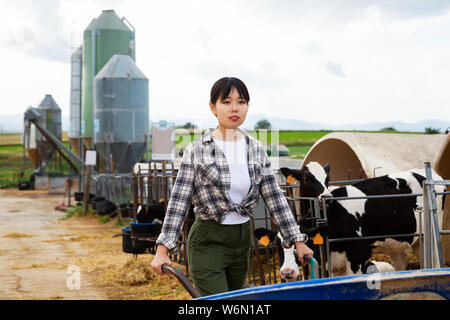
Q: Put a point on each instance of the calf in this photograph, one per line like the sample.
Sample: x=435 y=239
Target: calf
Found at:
x=288 y=258
x=372 y=217
x=156 y=212
x=289 y=261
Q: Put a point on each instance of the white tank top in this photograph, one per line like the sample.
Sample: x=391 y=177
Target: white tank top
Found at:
x=236 y=154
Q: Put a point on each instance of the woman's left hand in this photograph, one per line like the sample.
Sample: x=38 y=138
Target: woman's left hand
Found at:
x=302 y=250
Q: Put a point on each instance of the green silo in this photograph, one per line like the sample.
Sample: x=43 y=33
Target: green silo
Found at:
x=105 y=36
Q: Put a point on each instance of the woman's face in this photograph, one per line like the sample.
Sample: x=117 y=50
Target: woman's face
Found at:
x=230 y=111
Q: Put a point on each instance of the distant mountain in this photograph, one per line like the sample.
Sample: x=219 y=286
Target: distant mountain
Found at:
x=14 y=124
x=294 y=124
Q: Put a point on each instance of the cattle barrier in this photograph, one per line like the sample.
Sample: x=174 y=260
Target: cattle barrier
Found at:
x=429 y=238
x=143 y=186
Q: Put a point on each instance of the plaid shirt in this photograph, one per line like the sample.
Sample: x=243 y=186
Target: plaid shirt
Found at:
x=204 y=179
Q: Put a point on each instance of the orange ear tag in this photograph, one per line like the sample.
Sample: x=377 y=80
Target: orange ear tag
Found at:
x=290 y=180
x=264 y=241
x=318 y=239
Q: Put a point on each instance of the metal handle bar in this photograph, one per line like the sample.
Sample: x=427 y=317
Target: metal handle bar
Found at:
x=183 y=280
x=313 y=266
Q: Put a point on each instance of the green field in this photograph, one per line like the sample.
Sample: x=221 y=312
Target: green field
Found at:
x=11 y=165
x=16 y=166
x=12 y=162
x=289 y=138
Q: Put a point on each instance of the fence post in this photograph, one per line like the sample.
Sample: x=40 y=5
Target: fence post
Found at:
x=86 y=190
x=438 y=260
x=327 y=242
x=135 y=194
x=427 y=243
x=258 y=261
x=421 y=239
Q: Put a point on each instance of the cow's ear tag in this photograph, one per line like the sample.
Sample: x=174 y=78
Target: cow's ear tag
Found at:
x=318 y=239
x=290 y=179
x=264 y=241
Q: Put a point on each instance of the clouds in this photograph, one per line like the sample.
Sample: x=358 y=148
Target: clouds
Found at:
x=341 y=11
x=324 y=61
x=335 y=68
x=37 y=31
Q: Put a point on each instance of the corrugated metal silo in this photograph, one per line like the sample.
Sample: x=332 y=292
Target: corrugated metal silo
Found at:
x=50 y=119
x=121 y=114
x=105 y=36
x=75 y=99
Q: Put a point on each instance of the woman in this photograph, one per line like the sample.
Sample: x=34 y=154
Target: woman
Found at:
x=222 y=173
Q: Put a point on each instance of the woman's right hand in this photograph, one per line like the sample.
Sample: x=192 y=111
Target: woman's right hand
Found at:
x=160 y=258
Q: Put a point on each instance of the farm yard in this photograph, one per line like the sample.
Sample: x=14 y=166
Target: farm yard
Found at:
x=41 y=244
x=47 y=241
x=323 y=160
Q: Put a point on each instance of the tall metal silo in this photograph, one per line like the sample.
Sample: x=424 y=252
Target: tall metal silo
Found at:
x=105 y=36
x=50 y=119
x=75 y=100
x=121 y=114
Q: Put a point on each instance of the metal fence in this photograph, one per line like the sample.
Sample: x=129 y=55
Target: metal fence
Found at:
x=429 y=233
x=155 y=182
x=113 y=187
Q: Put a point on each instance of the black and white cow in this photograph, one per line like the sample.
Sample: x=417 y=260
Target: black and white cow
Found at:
x=289 y=261
x=370 y=217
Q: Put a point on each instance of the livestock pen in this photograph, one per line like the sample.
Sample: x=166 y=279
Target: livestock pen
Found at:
x=154 y=183
x=430 y=282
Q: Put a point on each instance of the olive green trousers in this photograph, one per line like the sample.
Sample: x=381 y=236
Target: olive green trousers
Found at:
x=218 y=255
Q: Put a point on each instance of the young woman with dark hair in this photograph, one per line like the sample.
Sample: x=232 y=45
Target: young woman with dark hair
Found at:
x=222 y=174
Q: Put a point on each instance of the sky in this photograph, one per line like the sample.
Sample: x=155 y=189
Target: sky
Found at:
x=325 y=61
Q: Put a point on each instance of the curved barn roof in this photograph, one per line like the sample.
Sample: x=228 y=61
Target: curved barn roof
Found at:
x=442 y=167
x=442 y=162
x=355 y=155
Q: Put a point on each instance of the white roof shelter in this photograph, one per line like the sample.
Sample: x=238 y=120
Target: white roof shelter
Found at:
x=355 y=155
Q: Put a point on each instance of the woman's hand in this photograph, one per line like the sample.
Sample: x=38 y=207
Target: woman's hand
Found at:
x=302 y=250
x=160 y=258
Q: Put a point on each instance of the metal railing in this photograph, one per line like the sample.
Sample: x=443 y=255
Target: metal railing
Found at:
x=146 y=185
x=430 y=245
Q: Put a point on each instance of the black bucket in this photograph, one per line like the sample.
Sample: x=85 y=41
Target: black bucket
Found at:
x=105 y=207
x=145 y=230
x=127 y=243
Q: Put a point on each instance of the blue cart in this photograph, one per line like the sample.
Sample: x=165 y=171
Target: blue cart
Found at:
x=429 y=284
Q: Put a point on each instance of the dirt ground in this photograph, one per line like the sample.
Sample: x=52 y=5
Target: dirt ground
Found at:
x=44 y=256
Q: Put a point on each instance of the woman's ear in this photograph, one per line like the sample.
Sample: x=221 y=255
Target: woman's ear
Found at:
x=213 y=108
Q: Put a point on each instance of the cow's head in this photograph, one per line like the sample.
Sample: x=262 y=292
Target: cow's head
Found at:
x=289 y=262
x=155 y=212
x=313 y=179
